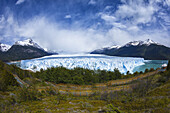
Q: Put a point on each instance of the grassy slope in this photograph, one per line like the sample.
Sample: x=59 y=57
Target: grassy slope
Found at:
x=150 y=94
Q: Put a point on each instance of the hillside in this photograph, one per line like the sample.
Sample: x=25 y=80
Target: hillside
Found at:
x=148 y=50
x=17 y=52
x=152 y=52
x=138 y=93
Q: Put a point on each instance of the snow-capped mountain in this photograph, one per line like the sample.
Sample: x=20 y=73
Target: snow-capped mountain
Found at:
x=140 y=43
x=4 y=47
x=147 y=49
x=28 y=42
x=26 y=49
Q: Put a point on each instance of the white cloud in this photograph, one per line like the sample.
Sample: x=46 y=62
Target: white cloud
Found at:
x=111 y=20
x=131 y=13
x=50 y=36
x=107 y=18
x=19 y=2
x=8 y=27
x=133 y=29
x=119 y=36
x=108 y=7
x=119 y=25
x=167 y=2
x=67 y=16
x=2 y=20
x=125 y=22
x=138 y=11
x=92 y=2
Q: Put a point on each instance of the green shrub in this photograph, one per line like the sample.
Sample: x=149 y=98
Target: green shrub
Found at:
x=146 y=70
x=127 y=73
x=136 y=73
x=152 y=69
x=112 y=109
x=6 y=80
x=78 y=76
x=27 y=94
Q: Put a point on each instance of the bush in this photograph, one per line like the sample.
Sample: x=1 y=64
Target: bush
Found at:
x=146 y=70
x=78 y=76
x=141 y=72
x=136 y=73
x=152 y=69
x=6 y=80
x=27 y=94
x=127 y=73
x=112 y=109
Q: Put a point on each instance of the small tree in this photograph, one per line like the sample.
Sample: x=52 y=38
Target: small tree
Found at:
x=151 y=69
x=127 y=73
x=117 y=73
x=136 y=73
x=146 y=70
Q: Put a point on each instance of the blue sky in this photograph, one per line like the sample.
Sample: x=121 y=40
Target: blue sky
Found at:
x=84 y=25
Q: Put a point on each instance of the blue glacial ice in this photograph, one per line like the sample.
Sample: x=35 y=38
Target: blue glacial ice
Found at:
x=93 y=62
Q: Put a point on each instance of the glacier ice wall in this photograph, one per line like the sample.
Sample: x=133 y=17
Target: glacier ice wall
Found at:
x=109 y=63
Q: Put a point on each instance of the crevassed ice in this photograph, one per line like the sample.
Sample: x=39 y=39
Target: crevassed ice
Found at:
x=108 y=63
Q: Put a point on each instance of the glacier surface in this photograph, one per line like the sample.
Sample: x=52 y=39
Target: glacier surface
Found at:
x=93 y=62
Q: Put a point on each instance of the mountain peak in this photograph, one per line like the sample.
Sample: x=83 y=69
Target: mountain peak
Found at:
x=4 y=47
x=27 y=42
x=147 y=42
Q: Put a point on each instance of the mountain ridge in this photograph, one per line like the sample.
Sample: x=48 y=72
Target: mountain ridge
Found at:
x=147 y=49
x=22 y=50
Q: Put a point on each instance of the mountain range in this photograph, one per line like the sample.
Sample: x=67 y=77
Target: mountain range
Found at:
x=147 y=49
x=28 y=49
x=21 y=50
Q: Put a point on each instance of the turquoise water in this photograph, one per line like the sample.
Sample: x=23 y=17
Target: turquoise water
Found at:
x=150 y=64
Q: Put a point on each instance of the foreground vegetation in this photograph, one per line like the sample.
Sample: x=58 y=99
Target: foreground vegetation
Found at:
x=78 y=76
x=150 y=94
x=82 y=76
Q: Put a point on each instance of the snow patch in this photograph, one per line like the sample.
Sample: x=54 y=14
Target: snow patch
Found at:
x=28 y=42
x=114 y=47
x=147 y=42
x=4 y=47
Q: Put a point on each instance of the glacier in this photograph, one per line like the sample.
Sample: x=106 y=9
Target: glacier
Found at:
x=93 y=62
